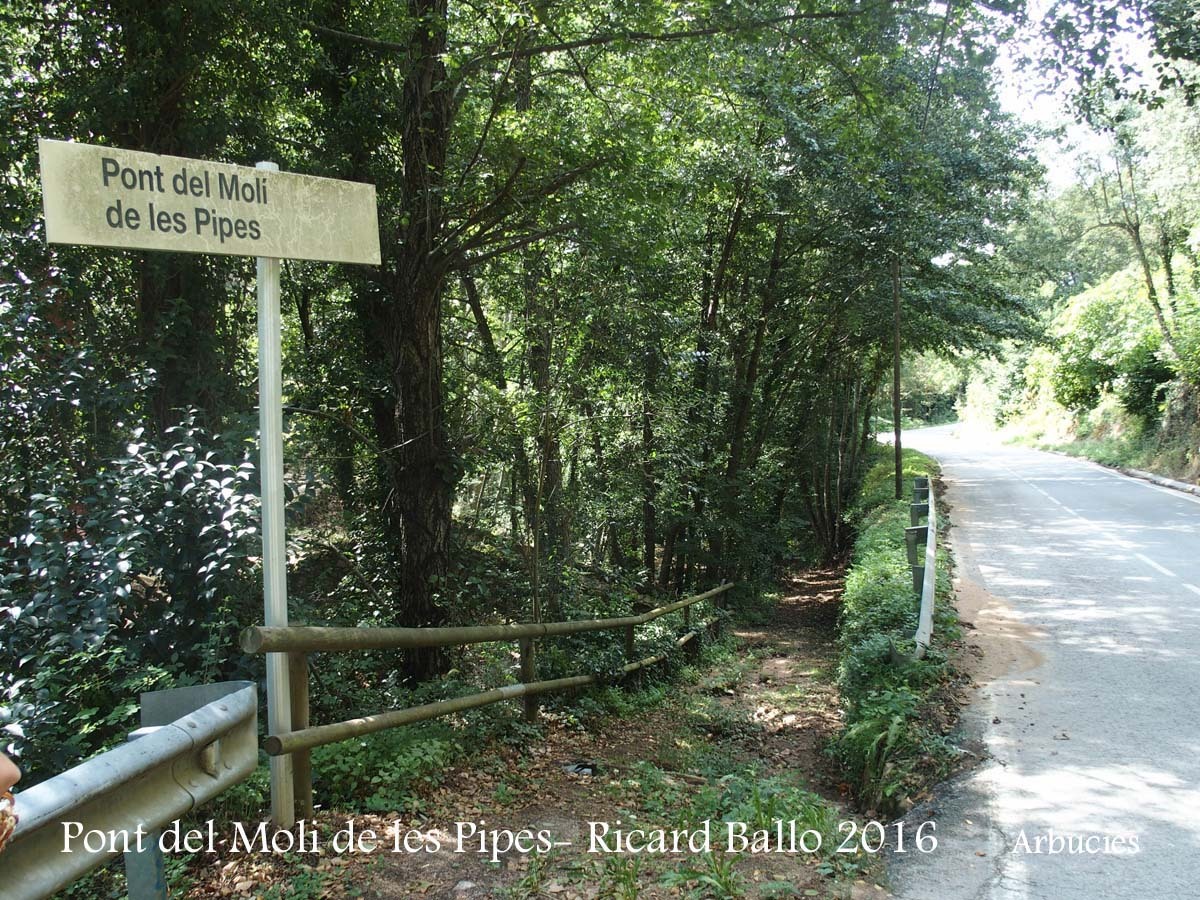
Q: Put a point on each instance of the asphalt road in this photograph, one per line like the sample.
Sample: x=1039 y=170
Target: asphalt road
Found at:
x=1084 y=587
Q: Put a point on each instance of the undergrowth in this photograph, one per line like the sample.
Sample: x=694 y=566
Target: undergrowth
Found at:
x=885 y=747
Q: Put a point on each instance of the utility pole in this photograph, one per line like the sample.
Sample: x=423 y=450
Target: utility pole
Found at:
x=895 y=269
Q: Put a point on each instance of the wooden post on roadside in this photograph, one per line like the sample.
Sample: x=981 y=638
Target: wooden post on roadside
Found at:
x=528 y=676
x=301 y=759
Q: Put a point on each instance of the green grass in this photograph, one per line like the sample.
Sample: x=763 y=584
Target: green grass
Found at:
x=1128 y=451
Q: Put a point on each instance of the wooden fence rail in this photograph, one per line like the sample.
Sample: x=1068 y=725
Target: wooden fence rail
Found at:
x=313 y=638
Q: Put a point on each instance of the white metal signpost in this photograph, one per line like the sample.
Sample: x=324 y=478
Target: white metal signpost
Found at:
x=105 y=197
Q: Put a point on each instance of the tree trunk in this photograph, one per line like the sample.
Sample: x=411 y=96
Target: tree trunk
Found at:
x=419 y=474
x=649 y=476
x=664 y=571
x=1139 y=246
x=744 y=389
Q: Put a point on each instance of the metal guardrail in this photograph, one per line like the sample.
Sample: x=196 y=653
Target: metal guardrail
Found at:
x=298 y=640
x=195 y=743
x=924 y=574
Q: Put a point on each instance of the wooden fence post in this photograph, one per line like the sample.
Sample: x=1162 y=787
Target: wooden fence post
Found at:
x=629 y=654
x=301 y=759
x=692 y=648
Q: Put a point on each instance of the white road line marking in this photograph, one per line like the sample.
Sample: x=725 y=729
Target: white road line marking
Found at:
x=1192 y=588
x=1182 y=495
x=1111 y=538
x=1152 y=564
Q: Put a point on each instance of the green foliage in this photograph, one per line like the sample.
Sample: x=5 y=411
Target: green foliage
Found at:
x=715 y=876
x=246 y=800
x=624 y=344
x=745 y=796
x=1144 y=381
x=529 y=885
x=382 y=772
x=621 y=877
x=931 y=387
x=1094 y=337
x=1091 y=46
x=880 y=744
x=128 y=579
x=1078 y=381
x=869 y=663
x=761 y=801
x=883 y=690
x=1123 y=328
x=106 y=883
x=302 y=883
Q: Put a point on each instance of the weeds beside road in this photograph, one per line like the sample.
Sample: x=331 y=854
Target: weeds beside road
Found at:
x=899 y=711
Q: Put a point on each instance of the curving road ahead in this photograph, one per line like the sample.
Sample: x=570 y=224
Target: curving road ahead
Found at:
x=1084 y=589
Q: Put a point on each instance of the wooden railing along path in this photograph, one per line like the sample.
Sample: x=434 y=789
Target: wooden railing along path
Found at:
x=299 y=640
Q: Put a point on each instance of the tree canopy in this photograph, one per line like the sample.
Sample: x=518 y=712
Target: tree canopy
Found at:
x=632 y=322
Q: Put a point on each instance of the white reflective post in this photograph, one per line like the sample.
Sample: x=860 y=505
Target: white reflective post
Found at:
x=270 y=442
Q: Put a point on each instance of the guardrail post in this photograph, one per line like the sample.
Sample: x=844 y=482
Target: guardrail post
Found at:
x=145 y=874
x=914 y=537
x=528 y=676
x=920 y=488
x=917 y=510
x=301 y=759
x=910 y=543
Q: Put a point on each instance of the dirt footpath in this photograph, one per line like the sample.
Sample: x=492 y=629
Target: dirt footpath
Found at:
x=741 y=742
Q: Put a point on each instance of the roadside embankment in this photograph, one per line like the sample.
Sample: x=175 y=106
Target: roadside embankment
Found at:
x=897 y=709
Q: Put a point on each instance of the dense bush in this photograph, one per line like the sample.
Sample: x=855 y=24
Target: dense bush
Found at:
x=119 y=574
x=1144 y=380
x=1078 y=380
